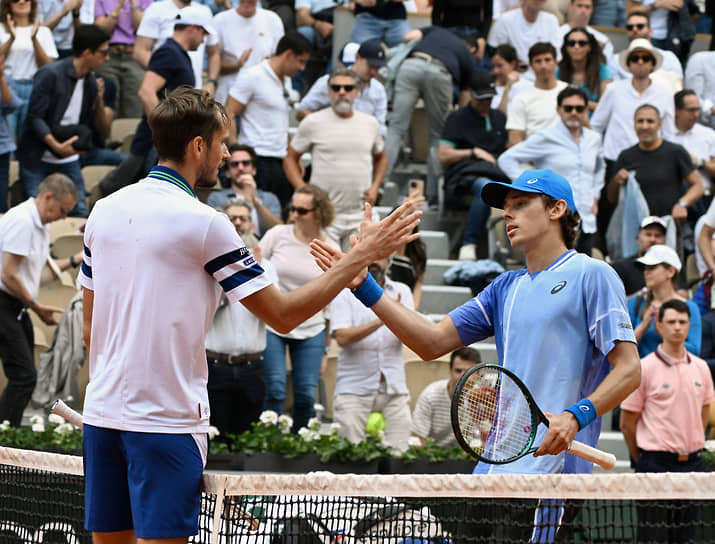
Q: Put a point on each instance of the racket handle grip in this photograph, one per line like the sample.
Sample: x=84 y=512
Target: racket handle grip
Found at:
x=61 y=409
x=603 y=459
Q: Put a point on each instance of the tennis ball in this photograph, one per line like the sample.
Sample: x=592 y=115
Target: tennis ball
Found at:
x=375 y=423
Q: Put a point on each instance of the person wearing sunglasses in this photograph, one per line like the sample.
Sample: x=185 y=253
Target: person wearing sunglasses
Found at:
x=571 y=150
x=579 y=15
x=348 y=157
x=287 y=247
x=670 y=72
x=581 y=65
x=240 y=171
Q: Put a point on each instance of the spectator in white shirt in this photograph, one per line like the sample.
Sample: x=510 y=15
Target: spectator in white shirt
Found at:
x=524 y=27
x=535 y=109
x=260 y=97
x=579 y=16
x=246 y=36
x=508 y=84
x=700 y=77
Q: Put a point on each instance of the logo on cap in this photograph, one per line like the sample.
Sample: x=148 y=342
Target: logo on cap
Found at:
x=532 y=181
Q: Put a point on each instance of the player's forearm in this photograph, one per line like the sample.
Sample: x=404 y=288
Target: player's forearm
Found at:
x=624 y=378
x=213 y=65
x=87 y=310
x=379 y=169
x=292 y=171
x=428 y=340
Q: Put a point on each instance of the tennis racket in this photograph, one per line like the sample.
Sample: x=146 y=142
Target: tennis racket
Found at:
x=61 y=409
x=495 y=418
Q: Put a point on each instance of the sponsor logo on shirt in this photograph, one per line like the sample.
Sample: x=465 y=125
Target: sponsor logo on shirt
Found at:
x=556 y=288
x=625 y=325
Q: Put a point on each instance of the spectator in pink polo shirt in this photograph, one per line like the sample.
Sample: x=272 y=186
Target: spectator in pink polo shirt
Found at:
x=664 y=420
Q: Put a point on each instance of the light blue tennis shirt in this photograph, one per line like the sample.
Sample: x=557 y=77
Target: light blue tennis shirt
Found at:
x=553 y=329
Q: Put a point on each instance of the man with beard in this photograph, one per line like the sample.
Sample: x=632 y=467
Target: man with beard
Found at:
x=348 y=158
x=152 y=259
x=371 y=366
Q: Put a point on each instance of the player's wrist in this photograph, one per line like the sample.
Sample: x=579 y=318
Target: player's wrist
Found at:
x=368 y=292
x=584 y=411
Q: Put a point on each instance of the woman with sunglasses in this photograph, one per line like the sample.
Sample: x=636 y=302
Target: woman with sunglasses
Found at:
x=661 y=266
x=582 y=65
x=27 y=45
x=287 y=247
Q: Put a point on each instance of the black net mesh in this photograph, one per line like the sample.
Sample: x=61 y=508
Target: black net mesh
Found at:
x=44 y=506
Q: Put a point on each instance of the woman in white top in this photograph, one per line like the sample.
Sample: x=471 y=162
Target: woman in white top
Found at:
x=26 y=45
x=287 y=247
x=508 y=83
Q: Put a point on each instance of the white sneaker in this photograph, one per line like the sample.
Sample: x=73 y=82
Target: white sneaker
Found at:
x=468 y=252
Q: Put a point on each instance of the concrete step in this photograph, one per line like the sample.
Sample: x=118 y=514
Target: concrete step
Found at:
x=441 y=299
x=434 y=272
x=436 y=244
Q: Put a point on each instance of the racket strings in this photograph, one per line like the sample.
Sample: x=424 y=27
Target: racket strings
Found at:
x=495 y=416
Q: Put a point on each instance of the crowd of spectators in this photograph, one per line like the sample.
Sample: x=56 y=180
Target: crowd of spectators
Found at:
x=504 y=85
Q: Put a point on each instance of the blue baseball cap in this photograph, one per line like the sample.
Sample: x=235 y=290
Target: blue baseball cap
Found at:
x=545 y=182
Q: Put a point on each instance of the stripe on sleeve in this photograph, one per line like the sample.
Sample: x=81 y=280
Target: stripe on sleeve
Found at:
x=226 y=259
x=241 y=277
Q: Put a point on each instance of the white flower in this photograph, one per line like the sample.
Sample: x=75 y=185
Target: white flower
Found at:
x=308 y=435
x=285 y=423
x=381 y=435
x=38 y=427
x=334 y=428
x=414 y=442
x=213 y=432
x=56 y=419
x=319 y=408
x=314 y=424
x=269 y=417
x=37 y=419
x=62 y=428
x=4 y=426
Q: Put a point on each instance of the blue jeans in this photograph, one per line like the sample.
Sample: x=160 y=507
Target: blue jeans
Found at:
x=101 y=156
x=369 y=27
x=609 y=13
x=15 y=120
x=478 y=215
x=306 y=356
x=31 y=180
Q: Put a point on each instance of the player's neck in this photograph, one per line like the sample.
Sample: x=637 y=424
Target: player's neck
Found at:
x=542 y=253
x=184 y=170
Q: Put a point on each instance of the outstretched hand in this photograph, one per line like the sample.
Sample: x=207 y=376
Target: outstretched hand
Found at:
x=376 y=240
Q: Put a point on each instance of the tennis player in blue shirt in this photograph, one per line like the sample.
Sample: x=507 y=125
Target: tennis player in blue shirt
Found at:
x=561 y=324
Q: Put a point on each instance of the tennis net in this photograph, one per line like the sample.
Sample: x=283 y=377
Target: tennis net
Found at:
x=41 y=500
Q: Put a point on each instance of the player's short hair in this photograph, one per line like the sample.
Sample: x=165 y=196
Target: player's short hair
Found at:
x=244 y=147
x=466 y=354
x=293 y=41
x=569 y=222
x=339 y=71
x=183 y=115
x=58 y=185
x=541 y=48
x=88 y=37
x=646 y=107
x=674 y=304
x=324 y=208
x=570 y=91
x=679 y=97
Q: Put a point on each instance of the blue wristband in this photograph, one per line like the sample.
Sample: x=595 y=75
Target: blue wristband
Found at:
x=584 y=411
x=368 y=292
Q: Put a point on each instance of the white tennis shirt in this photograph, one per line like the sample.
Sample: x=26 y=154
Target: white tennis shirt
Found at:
x=155 y=257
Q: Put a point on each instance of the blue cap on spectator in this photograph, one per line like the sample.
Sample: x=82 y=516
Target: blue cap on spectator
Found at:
x=545 y=182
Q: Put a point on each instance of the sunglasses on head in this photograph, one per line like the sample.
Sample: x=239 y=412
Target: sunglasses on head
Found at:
x=580 y=43
x=645 y=58
x=578 y=109
x=299 y=210
x=638 y=26
x=337 y=86
x=234 y=164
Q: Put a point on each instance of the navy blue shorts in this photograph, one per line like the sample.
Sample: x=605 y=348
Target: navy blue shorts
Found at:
x=149 y=482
